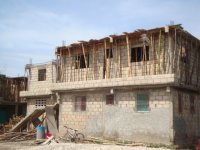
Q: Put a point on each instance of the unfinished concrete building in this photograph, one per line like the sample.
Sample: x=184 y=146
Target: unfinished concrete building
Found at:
x=10 y=102
x=141 y=86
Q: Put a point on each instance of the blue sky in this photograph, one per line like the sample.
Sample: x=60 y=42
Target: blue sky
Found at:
x=31 y=29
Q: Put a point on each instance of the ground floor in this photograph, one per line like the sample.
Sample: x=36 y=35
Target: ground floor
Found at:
x=166 y=115
x=73 y=146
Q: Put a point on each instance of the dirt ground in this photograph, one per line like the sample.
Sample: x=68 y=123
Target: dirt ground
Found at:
x=69 y=146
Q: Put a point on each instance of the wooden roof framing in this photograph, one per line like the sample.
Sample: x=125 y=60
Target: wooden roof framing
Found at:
x=64 y=50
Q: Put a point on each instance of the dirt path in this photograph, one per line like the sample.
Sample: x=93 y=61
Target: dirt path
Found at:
x=72 y=146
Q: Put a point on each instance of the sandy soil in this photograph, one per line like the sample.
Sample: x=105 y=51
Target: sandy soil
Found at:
x=73 y=146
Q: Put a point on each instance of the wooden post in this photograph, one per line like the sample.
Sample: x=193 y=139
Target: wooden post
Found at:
x=179 y=56
x=57 y=66
x=144 y=59
x=119 y=59
x=169 y=62
x=116 y=59
x=151 y=59
x=198 y=65
x=164 y=55
x=128 y=51
x=105 y=57
x=175 y=49
x=192 y=62
x=85 y=61
x=180 y=61
x=70 y=58
x=93 y=61
x=159 y=51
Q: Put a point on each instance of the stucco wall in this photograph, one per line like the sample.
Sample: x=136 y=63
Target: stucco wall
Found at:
x=121 y=120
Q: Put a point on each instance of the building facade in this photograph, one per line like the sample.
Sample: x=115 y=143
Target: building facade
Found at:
x=141 y=86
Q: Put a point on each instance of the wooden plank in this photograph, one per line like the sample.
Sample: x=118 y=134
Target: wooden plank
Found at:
x=35 y=114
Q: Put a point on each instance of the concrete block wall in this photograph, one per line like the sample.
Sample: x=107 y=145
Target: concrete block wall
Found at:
x=121 y=120
x=186 y=124
x=32 y=101
x=116 y=82
x=95 y=70
x=36 y=87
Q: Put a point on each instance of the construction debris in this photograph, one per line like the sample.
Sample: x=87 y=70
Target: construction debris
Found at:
x=17 y=136
x=28 y=119
x=111 y=142
x=12 y=122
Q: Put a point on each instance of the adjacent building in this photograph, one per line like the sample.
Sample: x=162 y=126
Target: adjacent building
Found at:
x=10 y=102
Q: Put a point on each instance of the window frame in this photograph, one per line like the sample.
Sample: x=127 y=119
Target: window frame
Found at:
x=42 y=76
x=138 y=51
x=40 y=103
x=80 y=106
x=109 y=53
x=80 y=61
x=108 y=101
x=137 y=100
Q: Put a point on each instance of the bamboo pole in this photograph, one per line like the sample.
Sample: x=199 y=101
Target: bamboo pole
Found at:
x=61 y=66
x=179 y=56
x=105 y=62
x=93 y=60
x=119 y=60
x=180 y=61
x=57 y=70
x=116 y=60
x=71 y=62
x=197 y=64
x=193 y=62
x=159 y=50
x=151 y=54
x=155 y=57
x=108 y=61
x=187 y=62
x=143 y=58
x=85 y=61
x=128 y=50
x=175 y=51
x=164 y=55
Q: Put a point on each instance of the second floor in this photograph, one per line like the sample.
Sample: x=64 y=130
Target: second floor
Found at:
x=168 y=53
